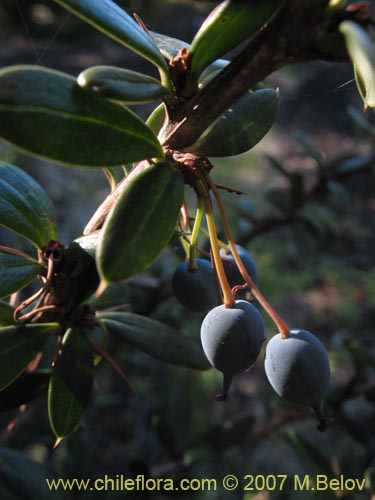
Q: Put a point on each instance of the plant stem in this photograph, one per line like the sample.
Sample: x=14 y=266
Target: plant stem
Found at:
x=195 y=234
x=226 y=289
x=283 y=328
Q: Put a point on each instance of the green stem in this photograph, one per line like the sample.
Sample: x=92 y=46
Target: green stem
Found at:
x=282 y=326
x=195 y=234
x=227 y=291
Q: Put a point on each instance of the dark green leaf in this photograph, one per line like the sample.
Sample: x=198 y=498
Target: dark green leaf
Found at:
x=25 y=207
x=157 y=339
x=241 y=127
x=141 y=223
x=156 y=120
x=109 y=18
x=19 y=344
x=16 y=272
x=24 y=478
x=229 y=24
x=46 y=113
x=25 y=388
x=361 y=48
x=6 y=314
x=121 y=85
x=71 y=383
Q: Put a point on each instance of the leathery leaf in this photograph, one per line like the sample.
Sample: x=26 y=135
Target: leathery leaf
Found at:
x=141 y=223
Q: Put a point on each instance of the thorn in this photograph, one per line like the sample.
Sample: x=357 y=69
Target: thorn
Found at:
x=57 y=442
x=141 y=23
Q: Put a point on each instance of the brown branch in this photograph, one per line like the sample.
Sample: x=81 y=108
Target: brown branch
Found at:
x=295 y=34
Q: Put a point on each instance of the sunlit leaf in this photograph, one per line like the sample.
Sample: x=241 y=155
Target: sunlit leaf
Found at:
x=156 y=120
x=229 y=24
x=121 y=85
x=168 y=45
x=141 y=223
x=361 y=48
x=46 y=113
x=71 y=383
x=19 y=344
x=16 y=272
x=109 y=18
x=25 y=207
x=157 y=339
x=241 y=127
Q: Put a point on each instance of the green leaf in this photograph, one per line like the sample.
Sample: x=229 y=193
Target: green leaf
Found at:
x=122 y=85
x=89 y=242
x=241 y=127
x=25 y=388
x=361 y=48
x=16 y=272
x=168 y=45
x=141 y=223
x=24 y=478
x=157 y=339
x=229 y=24
x=25 y=207
x=156 y=120
x=19 y=344
x=46 y=113
x=110 y=19
x=71 y=383
x=6 y=314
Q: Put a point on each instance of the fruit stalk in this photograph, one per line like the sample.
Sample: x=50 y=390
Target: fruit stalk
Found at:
x=227 y=291
x=282 y=326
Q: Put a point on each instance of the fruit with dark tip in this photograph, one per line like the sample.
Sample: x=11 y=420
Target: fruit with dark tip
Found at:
x=231 y=270
x=298 y=368
x=195 y=290
x=232 y=339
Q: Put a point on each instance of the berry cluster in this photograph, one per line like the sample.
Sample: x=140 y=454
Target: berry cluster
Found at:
x=232 y=332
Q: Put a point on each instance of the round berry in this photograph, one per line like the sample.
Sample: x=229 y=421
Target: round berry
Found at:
x=232 y=339
x=298 y=368
x=196 y=290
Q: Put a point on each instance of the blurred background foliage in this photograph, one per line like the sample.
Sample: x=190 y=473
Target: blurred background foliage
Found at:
x=306 y=218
